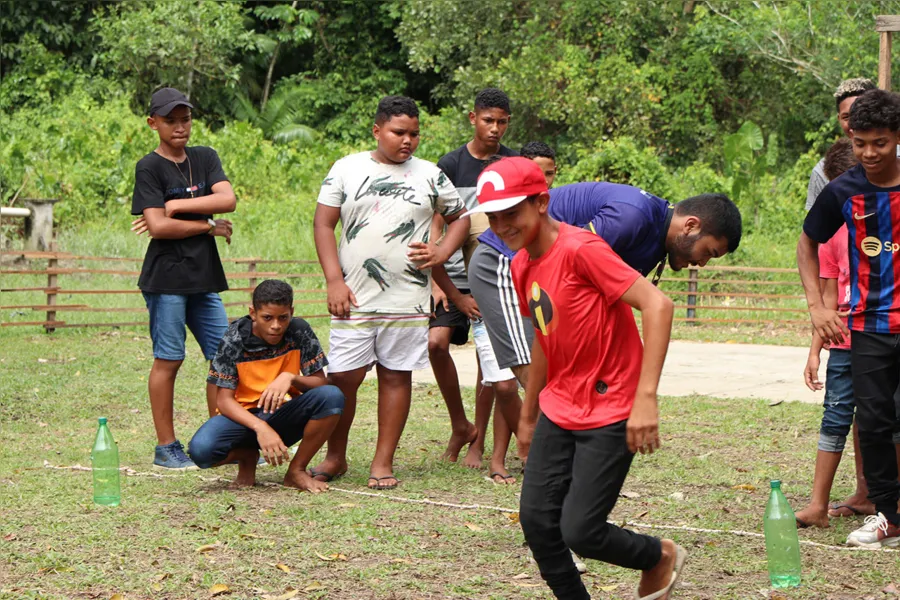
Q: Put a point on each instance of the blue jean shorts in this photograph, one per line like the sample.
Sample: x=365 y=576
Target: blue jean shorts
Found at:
x=170 y=314
x=840 y=404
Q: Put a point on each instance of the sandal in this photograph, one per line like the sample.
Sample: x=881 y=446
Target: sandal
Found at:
x=680 y=557
x=506 y=479
x=328 y=476
x=379 y=486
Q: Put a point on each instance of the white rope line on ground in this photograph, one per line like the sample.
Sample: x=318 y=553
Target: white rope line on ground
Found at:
x=424 y=501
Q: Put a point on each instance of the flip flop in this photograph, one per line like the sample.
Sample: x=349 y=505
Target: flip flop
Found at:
x=801 y=524
x=680 y=558
x=378 y=481
x=328 y=476
x=505 y=478
x=837 y=507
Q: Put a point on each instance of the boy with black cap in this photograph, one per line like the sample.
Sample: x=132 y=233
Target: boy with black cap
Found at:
x=177 y=190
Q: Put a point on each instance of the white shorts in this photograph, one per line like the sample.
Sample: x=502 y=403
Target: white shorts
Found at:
x=490 y=370
x=396 y=342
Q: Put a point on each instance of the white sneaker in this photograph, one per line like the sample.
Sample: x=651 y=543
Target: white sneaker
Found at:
x=876 y=532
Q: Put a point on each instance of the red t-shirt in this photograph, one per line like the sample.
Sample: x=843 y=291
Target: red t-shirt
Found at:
x=834 y=263
x=572 y=294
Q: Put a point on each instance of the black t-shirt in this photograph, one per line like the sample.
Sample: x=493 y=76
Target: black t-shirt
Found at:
x=190 y=265
x=463 y=170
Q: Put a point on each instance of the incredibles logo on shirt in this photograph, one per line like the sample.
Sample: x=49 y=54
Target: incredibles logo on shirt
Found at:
x=542 y=309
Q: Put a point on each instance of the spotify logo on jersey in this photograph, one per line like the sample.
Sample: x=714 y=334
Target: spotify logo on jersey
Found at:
x=872 y=246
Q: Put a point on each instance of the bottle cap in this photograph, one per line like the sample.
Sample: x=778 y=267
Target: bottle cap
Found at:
x=102 y=420
x=775 y=484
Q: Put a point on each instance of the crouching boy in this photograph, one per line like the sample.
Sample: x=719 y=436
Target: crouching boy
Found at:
x=271 y=393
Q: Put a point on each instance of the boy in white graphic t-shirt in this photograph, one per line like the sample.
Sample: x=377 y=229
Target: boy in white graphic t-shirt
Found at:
x=379 y=279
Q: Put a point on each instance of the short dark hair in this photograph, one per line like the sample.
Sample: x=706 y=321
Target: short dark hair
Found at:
x=535 y=149
x=273 y=291
x=876 y=109
x=394 y=106
x=850 y=88
x=839 y=158
x=719 y=216
x=492 y=98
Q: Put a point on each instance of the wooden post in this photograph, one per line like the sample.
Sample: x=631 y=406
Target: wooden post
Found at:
x=52 y=263
x=885 y=25
x=39 y=226
x=251 y=268
x=693 y=278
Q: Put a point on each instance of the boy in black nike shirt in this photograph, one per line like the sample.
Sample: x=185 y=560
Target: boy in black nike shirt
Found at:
x=177 y=190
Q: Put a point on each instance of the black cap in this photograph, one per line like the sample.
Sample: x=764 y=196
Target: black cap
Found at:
x=163 y=101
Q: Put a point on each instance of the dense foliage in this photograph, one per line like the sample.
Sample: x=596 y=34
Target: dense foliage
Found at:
x=679 y=96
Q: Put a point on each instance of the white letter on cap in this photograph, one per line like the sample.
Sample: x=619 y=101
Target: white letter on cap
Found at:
x=492 y=177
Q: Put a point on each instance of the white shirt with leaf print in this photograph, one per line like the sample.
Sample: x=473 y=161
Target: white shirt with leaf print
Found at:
x=384 y=208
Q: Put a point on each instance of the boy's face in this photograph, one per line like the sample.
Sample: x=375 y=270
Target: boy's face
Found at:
x=518 y=226
x=692 y=247
x=844 y=113
x=175 y=128
x=876 y=149
x=548 y=166
x=270 y=321
x=398 y=138
x=490 y=124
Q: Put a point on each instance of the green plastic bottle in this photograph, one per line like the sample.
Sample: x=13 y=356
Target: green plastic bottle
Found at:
x=105 y=463
x=782 y=544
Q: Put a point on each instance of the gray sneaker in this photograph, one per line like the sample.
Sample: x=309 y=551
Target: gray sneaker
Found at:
x=171 y=457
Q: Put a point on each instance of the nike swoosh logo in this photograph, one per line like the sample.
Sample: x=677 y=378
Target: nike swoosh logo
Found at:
x=861 y=217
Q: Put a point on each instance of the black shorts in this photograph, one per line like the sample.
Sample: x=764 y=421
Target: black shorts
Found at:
x=453 y=318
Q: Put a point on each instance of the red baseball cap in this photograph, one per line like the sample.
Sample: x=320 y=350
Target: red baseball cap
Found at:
x=507 y=182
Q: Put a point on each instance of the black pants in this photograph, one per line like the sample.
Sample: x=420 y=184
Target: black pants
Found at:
x=572 y=482
x=875 y=365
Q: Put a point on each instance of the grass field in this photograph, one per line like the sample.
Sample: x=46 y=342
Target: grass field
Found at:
x=178 y=537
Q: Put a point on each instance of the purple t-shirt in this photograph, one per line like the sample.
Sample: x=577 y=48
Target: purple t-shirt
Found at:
x=630 y=220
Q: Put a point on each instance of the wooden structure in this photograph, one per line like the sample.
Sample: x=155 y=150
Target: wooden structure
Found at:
x=38 y=215
x=67 y=284
x=886 y=25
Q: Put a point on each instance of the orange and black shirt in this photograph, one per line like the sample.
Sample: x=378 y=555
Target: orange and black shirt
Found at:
x=248 y=365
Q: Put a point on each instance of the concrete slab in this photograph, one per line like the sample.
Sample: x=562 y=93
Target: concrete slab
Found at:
x=710 y=369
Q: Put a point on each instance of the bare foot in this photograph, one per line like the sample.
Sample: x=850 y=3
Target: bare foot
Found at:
x=246 y=475
x=301 y=480
x=474 y=457
x=458 y=440
x=812 y=517
x=851 y=507
x=659 y=576
x=328 y=469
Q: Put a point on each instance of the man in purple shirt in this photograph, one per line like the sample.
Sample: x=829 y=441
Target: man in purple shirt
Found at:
x=646 y=231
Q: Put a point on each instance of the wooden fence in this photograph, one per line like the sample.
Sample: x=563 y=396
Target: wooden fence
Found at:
x=713 y=295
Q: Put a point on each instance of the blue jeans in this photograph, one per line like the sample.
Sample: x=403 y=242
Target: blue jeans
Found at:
x=203 y=314
x=220 y=435
x=839 y=402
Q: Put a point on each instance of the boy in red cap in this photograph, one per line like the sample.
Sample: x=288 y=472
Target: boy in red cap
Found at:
x=595 y=383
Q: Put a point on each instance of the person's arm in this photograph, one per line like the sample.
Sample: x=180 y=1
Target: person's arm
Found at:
x=273 y=396
x=166 y=228
x=340 y=296
x=531 y=409
x=449 y=206
x=222 y=200
x=826 y=321
x=271 y=446
x=813 y=360
x=657 y=309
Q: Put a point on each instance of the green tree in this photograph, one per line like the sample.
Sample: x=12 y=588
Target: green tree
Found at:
x=189 y=44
